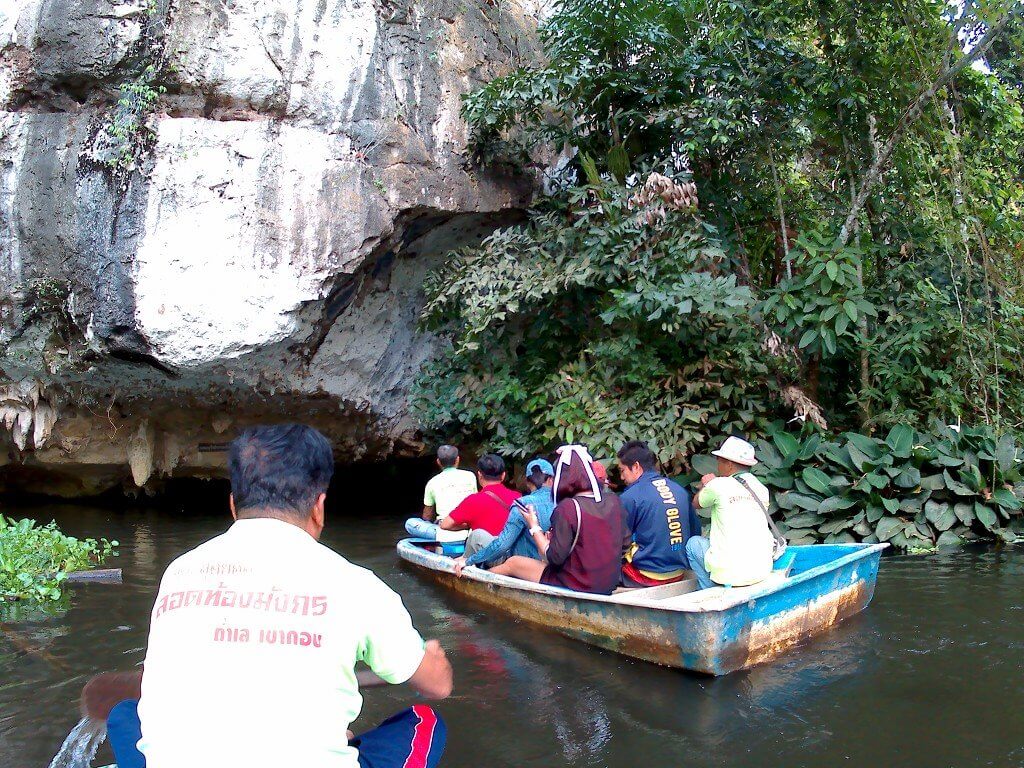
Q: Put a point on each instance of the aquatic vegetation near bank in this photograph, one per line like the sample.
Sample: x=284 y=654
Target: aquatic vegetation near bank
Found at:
x=35 y=559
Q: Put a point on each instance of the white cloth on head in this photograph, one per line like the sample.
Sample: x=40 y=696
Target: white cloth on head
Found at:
x=565 y=454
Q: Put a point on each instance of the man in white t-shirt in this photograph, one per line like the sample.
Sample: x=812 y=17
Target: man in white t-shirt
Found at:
x=255 y=636
x=443 y=493
x=738 y=551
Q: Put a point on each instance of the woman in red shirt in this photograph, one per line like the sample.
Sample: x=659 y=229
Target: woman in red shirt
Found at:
x=588 y=532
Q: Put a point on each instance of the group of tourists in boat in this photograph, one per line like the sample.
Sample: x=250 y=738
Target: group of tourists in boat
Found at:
x=571 y=530
x=255 y=635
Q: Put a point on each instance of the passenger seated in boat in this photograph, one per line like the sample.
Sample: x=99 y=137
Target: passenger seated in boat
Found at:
x=588 y=532
x=515 y=538
x=738 y=551
x=444 y=492
x=255 y=635
x=660 y=517
x=485 y=512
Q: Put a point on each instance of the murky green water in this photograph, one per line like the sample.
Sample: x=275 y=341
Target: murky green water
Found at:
x=930 y=675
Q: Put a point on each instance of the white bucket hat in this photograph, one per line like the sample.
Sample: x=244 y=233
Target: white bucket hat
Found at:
x=737 y=450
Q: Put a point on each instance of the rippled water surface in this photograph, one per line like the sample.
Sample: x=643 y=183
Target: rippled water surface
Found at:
x=930 y=675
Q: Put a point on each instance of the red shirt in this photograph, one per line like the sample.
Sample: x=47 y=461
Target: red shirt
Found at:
x=480 y=510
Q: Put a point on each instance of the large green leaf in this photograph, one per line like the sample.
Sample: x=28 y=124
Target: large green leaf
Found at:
x=866 y=445
x=804 y=520
x=780 y=478
x=1005 y=499
x=840 y=456
x=986 y=517
x=933 y=482
x=874 y=513
x=787 y=444
x=901 y=440
x=877 y=480
x=940 y=514
x=949 y=539
x=891 y=505
x=908 y=477
x=965 y=511
x=862 y=461
x=804 y=501
x=956 y=486
x=1006 y=453
x=888 y=527
x=835 y=526
x=836 y=503
x=817 y=480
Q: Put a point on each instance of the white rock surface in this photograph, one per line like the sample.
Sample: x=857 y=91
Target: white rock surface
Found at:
x=305 y=170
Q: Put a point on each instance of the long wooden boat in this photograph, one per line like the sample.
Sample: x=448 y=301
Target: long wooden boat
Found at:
x=714 y=631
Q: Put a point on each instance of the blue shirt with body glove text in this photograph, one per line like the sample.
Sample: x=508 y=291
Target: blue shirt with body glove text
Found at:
x=662 y=519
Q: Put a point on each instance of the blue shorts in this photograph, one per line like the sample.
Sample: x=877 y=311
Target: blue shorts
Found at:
x=414 y=738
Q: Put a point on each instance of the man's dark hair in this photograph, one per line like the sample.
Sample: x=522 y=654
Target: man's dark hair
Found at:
x=537 y=478
x=280 y=468
x=638 y=452
x=491 y=466
x=447 y=455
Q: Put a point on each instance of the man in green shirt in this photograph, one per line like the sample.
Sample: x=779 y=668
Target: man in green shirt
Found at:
x=738 y=551
x=444 y=492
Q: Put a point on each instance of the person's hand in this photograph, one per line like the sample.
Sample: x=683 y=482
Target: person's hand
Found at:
x=460 y=563
x=707 y=479
x=530 y=516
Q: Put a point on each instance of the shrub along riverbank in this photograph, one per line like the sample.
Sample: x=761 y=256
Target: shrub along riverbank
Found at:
x=756 y=211
x=914 y=490
x=35 y=559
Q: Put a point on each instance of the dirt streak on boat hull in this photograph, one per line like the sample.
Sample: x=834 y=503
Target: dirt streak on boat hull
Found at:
x=708 y=640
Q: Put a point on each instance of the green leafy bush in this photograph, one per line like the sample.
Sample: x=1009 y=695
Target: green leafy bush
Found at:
x=35 y=559
x=914 y=490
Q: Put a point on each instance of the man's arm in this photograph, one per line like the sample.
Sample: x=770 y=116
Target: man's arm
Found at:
x=433 y=678
x=457 y=520
x=428 y=513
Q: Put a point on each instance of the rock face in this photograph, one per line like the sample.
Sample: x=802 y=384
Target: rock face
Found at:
x=215 y=212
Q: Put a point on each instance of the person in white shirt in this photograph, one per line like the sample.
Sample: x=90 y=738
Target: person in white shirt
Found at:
x=255 y=636
x=443 y=493
x=738 y=551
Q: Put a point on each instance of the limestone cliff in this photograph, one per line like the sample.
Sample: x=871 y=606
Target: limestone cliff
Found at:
x=220 y=211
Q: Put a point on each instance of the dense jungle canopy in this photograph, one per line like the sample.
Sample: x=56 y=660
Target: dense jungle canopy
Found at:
x=753 y=210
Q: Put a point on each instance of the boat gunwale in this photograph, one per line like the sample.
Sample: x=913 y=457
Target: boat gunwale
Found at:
x=711 y=600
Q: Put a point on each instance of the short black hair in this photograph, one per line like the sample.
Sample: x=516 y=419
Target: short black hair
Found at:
x=538 y=478
x=638 y=452
x=447 y=455
x=280 y=468
x=491 y=466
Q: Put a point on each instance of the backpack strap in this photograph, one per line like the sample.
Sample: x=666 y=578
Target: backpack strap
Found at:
x=780 y=540
x=498 y=499
x=579 y=525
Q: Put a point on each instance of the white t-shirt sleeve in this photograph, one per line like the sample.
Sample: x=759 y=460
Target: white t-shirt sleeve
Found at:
x=392 y=647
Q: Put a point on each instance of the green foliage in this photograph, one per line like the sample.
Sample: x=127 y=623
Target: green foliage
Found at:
x=34 y=559
x=821 y=304
x=128 y=128
x=609 y=315
x=598 y=331
x=914 y=490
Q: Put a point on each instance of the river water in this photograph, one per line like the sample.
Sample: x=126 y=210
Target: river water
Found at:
x=930 y=675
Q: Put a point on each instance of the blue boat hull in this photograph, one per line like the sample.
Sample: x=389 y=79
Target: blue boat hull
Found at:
x=713 y=631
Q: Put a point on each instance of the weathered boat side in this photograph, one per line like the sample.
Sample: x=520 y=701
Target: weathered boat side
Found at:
x=714 y=631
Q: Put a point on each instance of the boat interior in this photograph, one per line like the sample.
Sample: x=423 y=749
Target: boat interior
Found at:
x=681 y=594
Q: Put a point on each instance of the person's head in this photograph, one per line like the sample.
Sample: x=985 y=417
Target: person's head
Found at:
x=635 y=458
x=281 y=471
x=490 y=469
x=575 y=473
x=735 y=455
x=600 y=473
x=539 y=473
x=447 y=456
